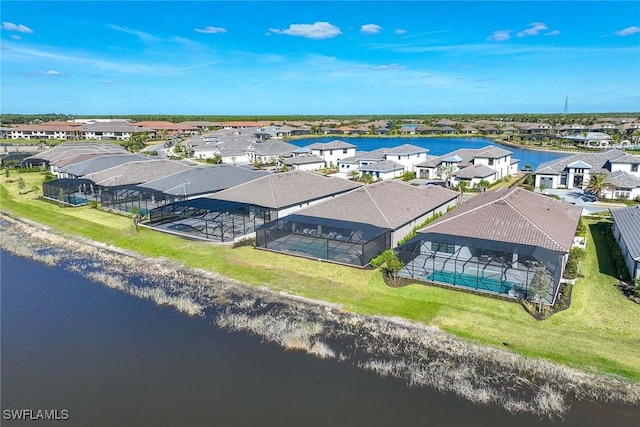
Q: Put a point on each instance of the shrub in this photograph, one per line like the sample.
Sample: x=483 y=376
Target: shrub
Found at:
x=381 y=259
x=616 y=255
x=248 y=241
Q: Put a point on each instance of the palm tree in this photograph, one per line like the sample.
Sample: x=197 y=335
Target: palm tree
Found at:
x=599 y=182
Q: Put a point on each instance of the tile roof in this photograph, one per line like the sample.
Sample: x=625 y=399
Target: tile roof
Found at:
x=277 y=191
x=204 y=179
x=67 y=150
x=303 y=159
x=383 y=166
x=96 y=164
x=514 y=216
x=475 y=171
x=387 y=204
x=332 y=145
x=627 y=221
x=136 y=172
x=598 y=162
x=405 y=149
x=624 y=179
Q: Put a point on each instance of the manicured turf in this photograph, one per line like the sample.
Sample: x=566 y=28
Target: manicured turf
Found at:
x=599 y=332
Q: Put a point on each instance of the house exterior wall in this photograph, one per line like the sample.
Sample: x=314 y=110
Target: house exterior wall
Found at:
x=619 y=192
x=632 y=266
x=474 y=181
x=501 y=165
x=551 y=181
x=403 y=231
x=332 y=156
x=383 y=175
x=307 y=167
x=626 y=167
x=409 y=161
x=281 y=213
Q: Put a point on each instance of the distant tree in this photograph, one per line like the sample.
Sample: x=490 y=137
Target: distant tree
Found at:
x=354 y=174
x=528 y=168
x=599 y=182
x=21 y=184
x=463 y=186
x=392 y=266
x=543 y=187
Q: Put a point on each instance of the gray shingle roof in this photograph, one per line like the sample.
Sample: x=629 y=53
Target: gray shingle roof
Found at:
x=465 y=156
x=273 y=148
x=387 y=204
x=628 y=223
x=202 y=180
x=277 y=191
x=514 y=216
x=136 y=172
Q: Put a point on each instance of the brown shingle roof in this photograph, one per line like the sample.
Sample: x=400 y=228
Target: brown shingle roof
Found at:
x=514 y=216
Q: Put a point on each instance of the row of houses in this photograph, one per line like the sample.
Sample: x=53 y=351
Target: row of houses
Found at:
x=497 y=242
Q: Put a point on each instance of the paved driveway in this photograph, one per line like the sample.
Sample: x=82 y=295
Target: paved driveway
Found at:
x=586 y=201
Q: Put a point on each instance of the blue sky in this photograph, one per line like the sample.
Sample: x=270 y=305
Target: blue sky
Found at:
x=261 y=58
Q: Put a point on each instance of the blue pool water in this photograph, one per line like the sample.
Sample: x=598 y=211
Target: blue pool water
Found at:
x=473 y=282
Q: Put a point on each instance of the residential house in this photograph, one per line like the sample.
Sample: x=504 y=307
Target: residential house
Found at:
x=333 y=151
x=356 y=226
x=499 y=242
x=626 y=231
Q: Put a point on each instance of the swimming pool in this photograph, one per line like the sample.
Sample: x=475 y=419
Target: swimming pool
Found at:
x=473 y=282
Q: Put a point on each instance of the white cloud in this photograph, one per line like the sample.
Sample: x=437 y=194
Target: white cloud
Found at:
x=533 y=29
x=111 y=82
x=316 y=31
x=143 y=36
x=628 y=31
x=10 y=26
x=400 y=31
x=500 y=35
x=52 y=73
x=16 y=37
x=210 y=30
x=552 y=33
x=371 y=29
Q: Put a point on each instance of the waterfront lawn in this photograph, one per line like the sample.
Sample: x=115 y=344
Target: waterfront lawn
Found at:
x=598 y=333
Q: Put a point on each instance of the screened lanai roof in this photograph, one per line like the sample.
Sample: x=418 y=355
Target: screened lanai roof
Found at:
x=212 y=205
x=360 y=232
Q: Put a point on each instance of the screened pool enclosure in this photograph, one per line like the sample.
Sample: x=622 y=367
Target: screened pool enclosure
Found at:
x=332 y=240
x=75 y=192
x=210 y=219
x=500 y=268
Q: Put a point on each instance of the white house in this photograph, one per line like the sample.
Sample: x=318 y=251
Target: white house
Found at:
x=333 y=151
x=491 y=158
x=305 y=162
x=575 y=171
x=386 y=169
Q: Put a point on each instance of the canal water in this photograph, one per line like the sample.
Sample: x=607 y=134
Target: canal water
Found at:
x=109 y=358
x=439 y=146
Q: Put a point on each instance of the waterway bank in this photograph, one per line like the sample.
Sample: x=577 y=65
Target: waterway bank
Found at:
x=419 y=354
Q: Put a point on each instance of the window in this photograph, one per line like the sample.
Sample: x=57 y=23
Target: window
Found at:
x=490 y=162
x=330 y=152
x=344 y=151
x=443 y=247
x=634 y=168
x=399 y=157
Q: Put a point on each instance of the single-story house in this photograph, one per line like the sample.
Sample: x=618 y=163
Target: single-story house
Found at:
x=238 y=211
x=386 y=169
x=304 y=162
x=357 y=226
x=508 y=242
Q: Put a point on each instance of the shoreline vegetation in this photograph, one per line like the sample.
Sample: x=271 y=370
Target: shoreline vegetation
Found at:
x=422 y=355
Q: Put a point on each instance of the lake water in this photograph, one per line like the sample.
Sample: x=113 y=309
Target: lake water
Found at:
x=109 y=358
x=439 y=146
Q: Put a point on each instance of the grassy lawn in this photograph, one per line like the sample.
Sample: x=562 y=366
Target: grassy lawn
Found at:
x=598 y=333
